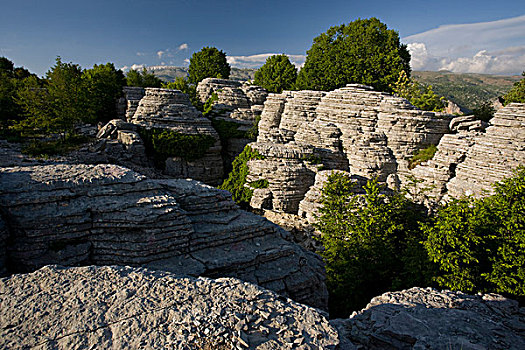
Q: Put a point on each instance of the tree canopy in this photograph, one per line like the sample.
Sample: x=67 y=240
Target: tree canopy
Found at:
x=277 y=74
x=517 y=93
x=142 y=79
x=364 y=51
x=209 y=62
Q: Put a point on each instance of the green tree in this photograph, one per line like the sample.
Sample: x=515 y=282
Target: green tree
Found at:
x=277 y=74
x=142 y=79
x=103 y=85
x=421 y=96
x=11 y=78
x=371 y=243
x=479 y=244
x=209 y=62
x=364 y=51
x=59 y=104
x=517 y=93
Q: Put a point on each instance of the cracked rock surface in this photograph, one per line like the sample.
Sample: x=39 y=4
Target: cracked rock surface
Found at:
x=425 y=318
x=106 y=214
x=115 y=307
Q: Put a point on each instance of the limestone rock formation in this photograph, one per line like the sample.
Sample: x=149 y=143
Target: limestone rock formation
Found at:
x=469 y=162
x=420 y=318
x=172 y=110
x=106 y=214
x=367 y=133
x=239 y=101
x=133 y=308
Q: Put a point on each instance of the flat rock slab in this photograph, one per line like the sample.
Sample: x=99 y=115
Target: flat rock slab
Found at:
x=133 y=308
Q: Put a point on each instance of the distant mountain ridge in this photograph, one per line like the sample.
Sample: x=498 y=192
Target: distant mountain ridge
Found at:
x=467 y=90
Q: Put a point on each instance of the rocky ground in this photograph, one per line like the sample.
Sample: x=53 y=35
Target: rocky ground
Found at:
x=122 y=307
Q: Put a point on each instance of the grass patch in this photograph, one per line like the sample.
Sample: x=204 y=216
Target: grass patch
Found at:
x=422 y=156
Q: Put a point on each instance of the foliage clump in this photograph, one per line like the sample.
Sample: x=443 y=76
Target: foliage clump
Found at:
x=276 y=74
x=517 y=93
x=371 y=243
x=485 y=111
x=143 y=79
x=62 y=146
x=420 y=95
x=479 y=244
x=422 y=155
x=164 y=143
x=209 y=62
x=236 y=181
x=364 y=51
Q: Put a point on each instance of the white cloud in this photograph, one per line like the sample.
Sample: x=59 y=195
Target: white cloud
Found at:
x=187 y=60
x=496 y=47
x=160 y=53
x=183 y=47
x=255 y=61
x=133 y=66
x=141 y=54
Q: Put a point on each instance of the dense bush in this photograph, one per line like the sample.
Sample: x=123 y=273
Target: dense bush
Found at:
x=479 y=244
x=421 y=96
x=164 y=143
x=371 y=243
x=364 y=51
x=208 y=63
x=277 y=74
x=517 y=93
x=235 y=183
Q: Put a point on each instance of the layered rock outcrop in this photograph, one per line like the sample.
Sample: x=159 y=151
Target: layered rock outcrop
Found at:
x=128 y=308
x=107 y=214
x=371 y=134
x=425 y=318
x=469 y=162
x=355 y=129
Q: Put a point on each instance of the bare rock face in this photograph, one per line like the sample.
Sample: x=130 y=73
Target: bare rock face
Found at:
x=469 y=161
x=106 y=214
x=355 y=129
x=134 y=308
x=426 y=318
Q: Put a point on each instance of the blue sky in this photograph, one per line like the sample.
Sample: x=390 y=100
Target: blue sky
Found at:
x=481 y=36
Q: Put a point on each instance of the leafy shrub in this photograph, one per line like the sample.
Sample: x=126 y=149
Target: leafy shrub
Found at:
x=235 y=183
x=421 y=156
x=312 y=159
x=208 y=105
x=259 y=184
x=142 y=79
x=227 y=129
x=420 y=95
x=164 y=143
x=485 y=111
x=479 y=244
x=371 y=243
x=517 y=93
